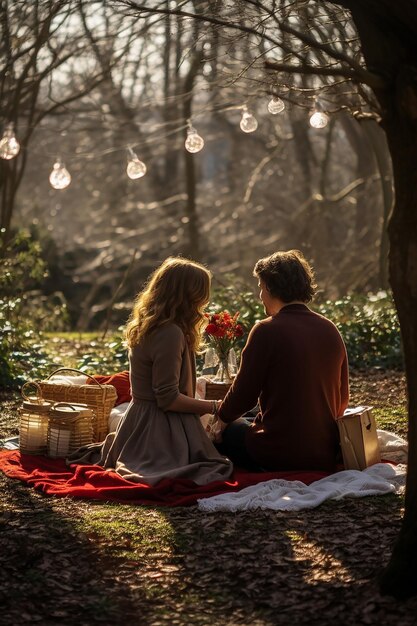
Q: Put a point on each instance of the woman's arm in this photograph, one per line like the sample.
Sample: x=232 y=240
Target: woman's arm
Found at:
x=167 y=353
x=184 y=404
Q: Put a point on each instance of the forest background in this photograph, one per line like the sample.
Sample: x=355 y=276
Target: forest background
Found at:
x=86 y=82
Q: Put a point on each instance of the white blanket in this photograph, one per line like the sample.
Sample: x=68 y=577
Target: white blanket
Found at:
x=285 y=495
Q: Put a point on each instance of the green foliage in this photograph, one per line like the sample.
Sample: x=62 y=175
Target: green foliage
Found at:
x=370 y=329
x=106 y=357
x=47 y=313
x=368 y=324
x=22 y=265
x=21 y=356
x=237 y=296
x=21 y=271
x=394 y=419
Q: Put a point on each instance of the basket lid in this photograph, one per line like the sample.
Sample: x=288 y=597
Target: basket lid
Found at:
x=34 y=405
x=64 y=409
x=83 y=409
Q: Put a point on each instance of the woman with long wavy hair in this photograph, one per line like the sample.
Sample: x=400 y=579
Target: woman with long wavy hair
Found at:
x=160 y=435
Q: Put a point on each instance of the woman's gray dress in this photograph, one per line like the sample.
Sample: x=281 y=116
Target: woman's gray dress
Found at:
x=151 y=443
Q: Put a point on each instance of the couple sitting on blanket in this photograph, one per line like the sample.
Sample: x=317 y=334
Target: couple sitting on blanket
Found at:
x=294 y=364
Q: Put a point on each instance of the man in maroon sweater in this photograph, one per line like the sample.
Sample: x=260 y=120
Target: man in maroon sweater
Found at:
x=295 y=366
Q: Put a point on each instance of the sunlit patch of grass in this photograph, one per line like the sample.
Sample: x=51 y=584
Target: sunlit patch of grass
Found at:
x=293 y=535
x=72 y=336
x=89 y=352
x=392 y=419
x=130 y=531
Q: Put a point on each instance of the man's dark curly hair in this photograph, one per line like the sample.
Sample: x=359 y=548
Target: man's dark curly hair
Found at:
x=287 y=276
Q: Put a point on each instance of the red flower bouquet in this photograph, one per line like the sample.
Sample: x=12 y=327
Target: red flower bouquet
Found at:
x=222 y=332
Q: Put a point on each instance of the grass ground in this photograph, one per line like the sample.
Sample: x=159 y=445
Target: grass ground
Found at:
x=75 y=562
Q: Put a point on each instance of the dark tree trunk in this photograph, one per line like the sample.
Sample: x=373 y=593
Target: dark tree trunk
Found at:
x=400 y=577
x=191 y=208
x=11 y=173
x=367 y=213
x=388 y=34
x=189 y=162
x=7 y=196
x=305 y=155
x=378 y=140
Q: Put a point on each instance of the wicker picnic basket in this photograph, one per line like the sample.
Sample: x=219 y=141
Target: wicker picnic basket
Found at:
x=70 y=427
x=216 y=391
x=100 y=398
x=33 y=421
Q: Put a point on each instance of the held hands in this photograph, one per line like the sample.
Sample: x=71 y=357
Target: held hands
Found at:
x=215 y=426
x=215 y=406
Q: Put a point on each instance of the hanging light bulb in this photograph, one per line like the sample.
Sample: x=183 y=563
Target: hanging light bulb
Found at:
x=248 y=123
x=9 y=146
x=135 y=167
x=194 y=143
x=276 y=105
x=60 y=176
x=318 y=118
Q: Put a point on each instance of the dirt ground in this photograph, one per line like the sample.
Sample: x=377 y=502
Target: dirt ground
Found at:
x=78 y=563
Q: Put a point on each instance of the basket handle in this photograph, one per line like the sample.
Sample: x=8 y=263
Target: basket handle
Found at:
x=62 y=420
x=32 y=383
x=71 y=369
x=59 y=404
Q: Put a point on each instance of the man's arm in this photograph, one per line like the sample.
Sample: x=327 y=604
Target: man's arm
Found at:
x=249 y=382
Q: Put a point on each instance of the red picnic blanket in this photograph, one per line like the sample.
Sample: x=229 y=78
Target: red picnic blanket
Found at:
x=120 y=382
x=55 y=478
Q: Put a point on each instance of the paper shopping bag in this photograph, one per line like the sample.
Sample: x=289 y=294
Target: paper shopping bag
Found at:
x=358 y=438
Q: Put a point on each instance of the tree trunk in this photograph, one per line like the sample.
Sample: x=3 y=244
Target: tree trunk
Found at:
x=367 y=209
x=400 y=577
x=387 y=31
x=378 y=141
x=189 y=162
x=191 y=208
x=305 y=155
x=7 y=197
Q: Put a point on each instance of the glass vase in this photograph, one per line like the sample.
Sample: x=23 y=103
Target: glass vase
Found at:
x=223 y=374
x=211 y=361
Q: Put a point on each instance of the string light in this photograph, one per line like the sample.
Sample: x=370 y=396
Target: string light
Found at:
x=248 y=123
x=9 y=146
x=276 y=105
x=60 y=177
x=135 y=167
x=318 y=118
x=194 y=143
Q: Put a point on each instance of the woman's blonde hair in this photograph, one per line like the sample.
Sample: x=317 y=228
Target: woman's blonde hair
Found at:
x=177 y=291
